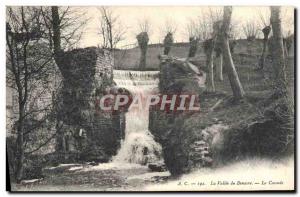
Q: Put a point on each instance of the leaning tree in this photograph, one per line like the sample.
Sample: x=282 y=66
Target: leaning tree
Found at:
x=233 y=77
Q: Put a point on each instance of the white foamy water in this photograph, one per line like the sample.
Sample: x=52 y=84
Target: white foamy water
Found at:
x=138 y=146
x=115 y=166
x=149 y=175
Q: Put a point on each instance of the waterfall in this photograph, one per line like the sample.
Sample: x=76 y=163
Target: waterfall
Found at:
x=138 y=146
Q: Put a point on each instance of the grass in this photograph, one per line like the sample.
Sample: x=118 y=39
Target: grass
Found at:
x=128 y=59
x=250 y=131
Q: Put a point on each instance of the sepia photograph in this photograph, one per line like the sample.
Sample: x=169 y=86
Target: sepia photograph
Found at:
x=150 y=98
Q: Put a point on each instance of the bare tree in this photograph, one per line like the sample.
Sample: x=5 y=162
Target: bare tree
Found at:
x=170 y=26
x=191 y=29
x=278 y=51
x=169 y=31
x=209 y=28
x=168 y=42
x=111 y=29
x=144 y=25
x=266 y=29
x=235 y=83
x=250 y=30
x=143 y=39
x=65 y=29
x=70 y=21
x=30 y=68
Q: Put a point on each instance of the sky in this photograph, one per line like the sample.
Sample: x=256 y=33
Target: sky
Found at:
x=130 y=16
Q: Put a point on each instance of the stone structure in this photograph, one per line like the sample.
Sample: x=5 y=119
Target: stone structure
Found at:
x=173 y=130
x=83 y=128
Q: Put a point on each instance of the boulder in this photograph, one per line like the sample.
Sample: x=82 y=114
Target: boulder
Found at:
x=157 y=167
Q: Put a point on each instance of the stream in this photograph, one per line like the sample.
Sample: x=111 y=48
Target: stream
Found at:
x=128 y=170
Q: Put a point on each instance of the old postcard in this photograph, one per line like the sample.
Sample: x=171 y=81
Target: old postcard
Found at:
x=150 y=98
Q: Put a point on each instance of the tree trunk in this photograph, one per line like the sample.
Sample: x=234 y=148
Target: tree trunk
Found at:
x=58 y=56
x=263 y=55
x=20 y=144
x=266 y=31
x=278 y=51
x=143 y=40
x=142 y=64
x=12 y=46
x=167 y=50
x=193 y=46
x=233 y=77
x=60 y=146
x=219 y=68
x=285 y=49
x=168 y=42
x=58 y=52
x=210 y=63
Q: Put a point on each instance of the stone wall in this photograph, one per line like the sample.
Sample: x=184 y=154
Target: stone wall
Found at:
x=87 y=131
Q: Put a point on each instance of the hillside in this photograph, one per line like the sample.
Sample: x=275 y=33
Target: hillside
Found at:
x=128 y=59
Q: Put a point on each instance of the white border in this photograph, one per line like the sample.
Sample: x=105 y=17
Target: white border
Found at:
x=3 y=3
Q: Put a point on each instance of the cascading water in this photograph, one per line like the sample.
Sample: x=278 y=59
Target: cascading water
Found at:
x=138 y=146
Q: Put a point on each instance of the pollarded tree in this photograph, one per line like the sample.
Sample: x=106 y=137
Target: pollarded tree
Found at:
x=192 y=30
x=168 y=42
x=143 y=39
x=266 y=29
x=233 y=77
x=194 y=41
x=250 y=30
x=169 y=32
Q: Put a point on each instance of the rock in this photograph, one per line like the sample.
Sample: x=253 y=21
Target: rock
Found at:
x=177 y=76
x=157 y=167
x=32 y=181
x=92 y=163
x=199 y=143
x=59 y=169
